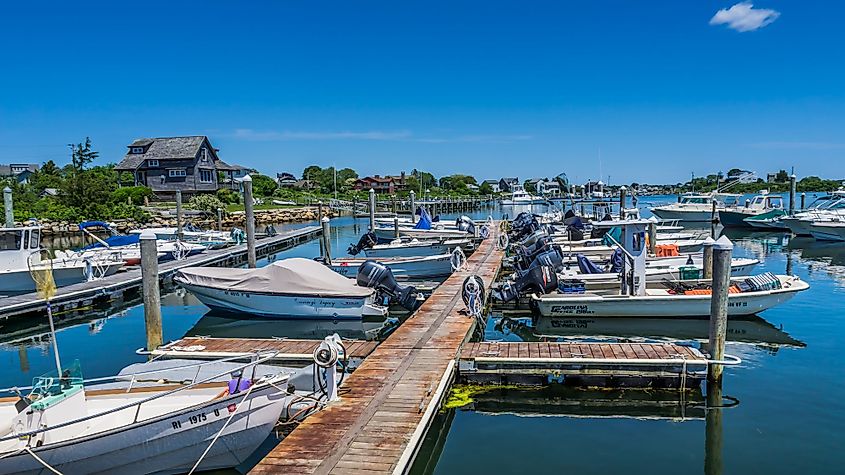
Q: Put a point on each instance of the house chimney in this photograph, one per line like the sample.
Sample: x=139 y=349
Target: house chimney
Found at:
x=376 y=176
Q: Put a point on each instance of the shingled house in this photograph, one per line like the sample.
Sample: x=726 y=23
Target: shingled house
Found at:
x=167 y=164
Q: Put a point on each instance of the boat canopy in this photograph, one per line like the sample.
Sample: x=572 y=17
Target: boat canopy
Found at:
x=115 y=241
x=94 y=224
x=296 y=276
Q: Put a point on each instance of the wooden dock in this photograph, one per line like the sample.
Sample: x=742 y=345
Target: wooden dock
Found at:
x=115 y=286
x=390 y=400
x=289 y=350
x=662 y=365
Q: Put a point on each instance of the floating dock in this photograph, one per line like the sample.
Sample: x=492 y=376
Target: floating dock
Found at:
x=653 y=365
x=288 y=350
x=388 y=403
x=115 y=286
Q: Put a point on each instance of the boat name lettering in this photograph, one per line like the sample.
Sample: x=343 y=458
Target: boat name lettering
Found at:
x=577 y=309
x=576 y=323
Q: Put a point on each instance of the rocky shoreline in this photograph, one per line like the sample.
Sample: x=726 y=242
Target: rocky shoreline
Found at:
x=230 y=220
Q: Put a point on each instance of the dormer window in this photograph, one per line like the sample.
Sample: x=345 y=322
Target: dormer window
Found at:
x=137 y=149
x=152 y=163
x=204 y=155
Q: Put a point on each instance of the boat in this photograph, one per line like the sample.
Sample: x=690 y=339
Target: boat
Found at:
x=21 y=251
x=830 y=207
x=769 y=221
x=290 y=288
x=828 y=230
x=416 y=267
x=693 y=208
x=521 y=197
x=636 y=299
x=162 y=417
x=407 y=248
x=128 y=248
x=191 y=234
x=734 y=216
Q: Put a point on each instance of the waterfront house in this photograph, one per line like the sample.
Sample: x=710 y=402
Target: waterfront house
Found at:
x=548 y=188
x=167 y=164
x=19 y=171
x=286 y=180
x=506 y=184
x=494 y=185
x=381 y=184
x=233 y=175
x=399 y=182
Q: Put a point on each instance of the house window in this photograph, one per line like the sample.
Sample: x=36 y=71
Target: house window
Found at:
x=137 y=149
x=177 y=173
x=152 y=163
x=206 y=176
x=204 y=155
x=18 y=169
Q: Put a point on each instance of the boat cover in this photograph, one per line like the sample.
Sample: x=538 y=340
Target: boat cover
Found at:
x=115 y=241
x=296 y=276
x=586 y=266
x=425 y=220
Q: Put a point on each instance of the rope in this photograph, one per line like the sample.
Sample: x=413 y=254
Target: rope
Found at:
x=226 y=424
x=45 y=464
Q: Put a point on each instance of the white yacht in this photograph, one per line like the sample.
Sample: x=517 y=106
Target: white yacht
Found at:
x=826 y=208
x=521 y=197
x=693 y=208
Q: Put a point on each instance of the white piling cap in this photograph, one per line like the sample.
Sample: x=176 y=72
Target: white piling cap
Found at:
x=325 y=219
x=246 y=178
x=709 y=241
x=622 y=187
x=7 y=190
x=724 y=244
x=372 y=190
x=148 y=234
x=653 y=219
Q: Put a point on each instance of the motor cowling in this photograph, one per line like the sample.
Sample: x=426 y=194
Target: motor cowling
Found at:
x=541 y=279
x=367 y=241
x=551 y=258
x=377 y=276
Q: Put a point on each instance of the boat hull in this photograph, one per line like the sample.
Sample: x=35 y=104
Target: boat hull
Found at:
x=411 y=268
x=734 y=219
x=165 y=445
x=387 y=235
x=826 y=233
x=798 y=226
x=409 y=251
x=284 y=306
x=16 y=282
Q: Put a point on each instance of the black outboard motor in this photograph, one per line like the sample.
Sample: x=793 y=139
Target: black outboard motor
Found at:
x=531 y=239
x=367 y=241
x=551 y=258
x=541 y=280
x=527 y=253
x=464 y=223
x=377 y=276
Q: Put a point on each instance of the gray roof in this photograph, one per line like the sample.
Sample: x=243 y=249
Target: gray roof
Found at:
x=511 y=180
x=491 y=181
x=6 y=170
x=163 y=148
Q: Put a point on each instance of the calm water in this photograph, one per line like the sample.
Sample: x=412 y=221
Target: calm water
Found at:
x=789 y=387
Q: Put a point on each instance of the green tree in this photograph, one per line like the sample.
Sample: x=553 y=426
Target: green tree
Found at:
x=485 y=189
x=781 y=177
x=529 y=186
x=263 y=185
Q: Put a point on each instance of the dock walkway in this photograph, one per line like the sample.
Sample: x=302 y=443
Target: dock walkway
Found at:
x=387 y=404
x=113 y=286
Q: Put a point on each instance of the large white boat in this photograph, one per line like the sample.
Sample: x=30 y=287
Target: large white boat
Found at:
x=407 y=248
x=190 y=234
x=127 y=247
x=735 y=216
x=830 y=207
x=521 y=197
x=20 y=251
x=693 y=208
x=828 y=230
x=290 y=288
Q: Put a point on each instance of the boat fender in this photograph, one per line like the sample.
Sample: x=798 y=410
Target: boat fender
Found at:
x=484 y=232
x=472 y=293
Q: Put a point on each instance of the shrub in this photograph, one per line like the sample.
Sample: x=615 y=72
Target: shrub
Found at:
x=206 y=202
x=136 y=193
x=228 y=196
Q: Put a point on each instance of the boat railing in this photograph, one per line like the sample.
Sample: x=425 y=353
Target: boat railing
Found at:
x=257 y=359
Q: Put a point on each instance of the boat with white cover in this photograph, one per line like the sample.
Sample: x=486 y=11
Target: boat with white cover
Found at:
x=20 y=251
x=521 y=197
x=289 y=288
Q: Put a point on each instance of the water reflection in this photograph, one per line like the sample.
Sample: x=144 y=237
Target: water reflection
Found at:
x=228 y=326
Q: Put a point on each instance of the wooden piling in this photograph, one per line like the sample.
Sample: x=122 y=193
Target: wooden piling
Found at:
x=9 y=206
x=722 y=250
x=150 y=286
x=219 y=219
x=652 y=237
x=714 y=219
x=623 y=192
x=803 y=200
x=179 y=222
x=791 y=194
x=413 y=207
x=707 y=258
x=326 y=239
x=250 y=222
x=396 y=227
x=372 y=209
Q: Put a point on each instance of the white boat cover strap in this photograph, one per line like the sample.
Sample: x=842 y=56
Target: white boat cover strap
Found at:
x=296 y=276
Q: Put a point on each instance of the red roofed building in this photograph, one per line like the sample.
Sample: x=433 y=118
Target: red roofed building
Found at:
x=381 y=184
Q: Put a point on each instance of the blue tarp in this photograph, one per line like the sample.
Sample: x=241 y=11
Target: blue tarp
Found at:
x=114 y=241
x=94 y=224
x=425 y=220
x=587 y=266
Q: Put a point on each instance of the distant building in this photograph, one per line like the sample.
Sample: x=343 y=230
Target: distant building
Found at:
x=233 y=175
x=506 y=184
x=286 y=180
x=19 y=171
x=771 y=177
x=399 y=182
x=494 y=185
x=472 y=187
x=548 y=188
x=381 y=184
x=305 y=185
x=167 y=164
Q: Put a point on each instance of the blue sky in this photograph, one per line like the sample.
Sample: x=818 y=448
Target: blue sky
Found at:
x=657 y=89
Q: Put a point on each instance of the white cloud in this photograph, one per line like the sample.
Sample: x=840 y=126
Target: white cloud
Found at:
x=744 y=17
x=401 y=135
x=799 y=145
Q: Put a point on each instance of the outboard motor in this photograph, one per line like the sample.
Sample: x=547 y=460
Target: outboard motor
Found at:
x=464 y=223
x=551 y=258
x=541 y=279
x=528 y=253
x=534 y=237
x=367 y=241
x=377 y=276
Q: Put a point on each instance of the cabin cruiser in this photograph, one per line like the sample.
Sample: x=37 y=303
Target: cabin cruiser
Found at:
x=295 y=288
x=734 y=216
x=693 y=208
x=830 y=207
x=521 y=197
x=21 y=253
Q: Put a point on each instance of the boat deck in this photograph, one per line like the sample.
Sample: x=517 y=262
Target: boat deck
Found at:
x=390 y=400
x=288 y=350
x=113 y=287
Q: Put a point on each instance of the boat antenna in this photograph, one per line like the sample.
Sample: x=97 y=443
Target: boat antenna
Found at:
x=42 y=275
x=334 y=168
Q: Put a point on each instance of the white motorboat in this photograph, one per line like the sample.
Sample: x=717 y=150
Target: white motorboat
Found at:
x=190 y=234
x=735 y=216
x=128 y=247
x=425 y=267
x=636 y=299
x=290 y=288
x=521 y=197
x=828 y=230
x=162 y=417
x=692 y=208
x=20 y=251
x=830 y=207
x=416 y=248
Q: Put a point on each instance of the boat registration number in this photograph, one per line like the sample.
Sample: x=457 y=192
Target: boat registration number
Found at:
x=202 y=417
x=572 y=309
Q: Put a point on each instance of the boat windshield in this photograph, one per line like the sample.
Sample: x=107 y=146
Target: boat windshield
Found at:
x=49 y=389
x=10 y=240
x=696 y=200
